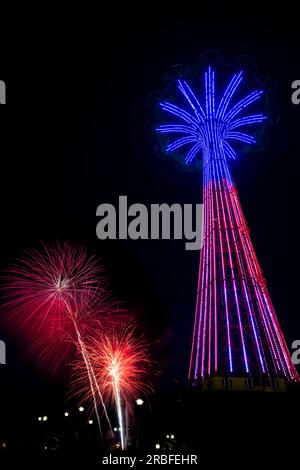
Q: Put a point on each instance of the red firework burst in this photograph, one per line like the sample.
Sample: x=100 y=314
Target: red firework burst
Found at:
x=53 y=292
x=121 y=364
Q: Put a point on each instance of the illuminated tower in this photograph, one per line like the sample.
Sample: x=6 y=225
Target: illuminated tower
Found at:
x=236 y=331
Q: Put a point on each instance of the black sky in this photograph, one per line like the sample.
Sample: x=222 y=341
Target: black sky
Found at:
x=73 y=137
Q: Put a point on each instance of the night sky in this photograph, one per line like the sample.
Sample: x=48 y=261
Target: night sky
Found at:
x=73 y=137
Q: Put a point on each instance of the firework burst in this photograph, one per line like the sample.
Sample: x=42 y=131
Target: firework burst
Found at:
x=53 y=296
x=47 y=291
x=121 y=365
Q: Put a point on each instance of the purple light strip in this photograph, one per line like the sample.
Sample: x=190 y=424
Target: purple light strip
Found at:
x=213 y=249
x=221 y=178
x=201 y=269
x=223 y=275
x=255 y=275
x=197 y=318
x=243 y=233
x=229 y=203
x=206 y=272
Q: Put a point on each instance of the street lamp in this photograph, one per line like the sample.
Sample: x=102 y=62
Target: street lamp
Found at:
x=157 y=446
x=66 y=414
x=45 y=418
x=81 y=409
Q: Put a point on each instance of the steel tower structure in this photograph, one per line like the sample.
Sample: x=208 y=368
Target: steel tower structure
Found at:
x=236 y=330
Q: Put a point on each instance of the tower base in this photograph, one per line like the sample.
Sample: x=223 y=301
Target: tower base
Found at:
x=246 y=384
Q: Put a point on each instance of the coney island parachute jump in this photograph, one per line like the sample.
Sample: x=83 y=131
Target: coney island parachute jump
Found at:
x=236 y=330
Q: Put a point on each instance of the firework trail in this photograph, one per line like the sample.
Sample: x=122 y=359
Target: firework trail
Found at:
x=52 y=296
x=121 y=365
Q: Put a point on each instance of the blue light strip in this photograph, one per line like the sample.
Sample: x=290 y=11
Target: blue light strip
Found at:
x=248 y=139
x=169 y=128
x=179 y=143
x=210 y=94
x=213 y=94
x=171 y=108
x=189 y=95
x=229 y=152
x=241 y=105
x=206 y=95
x=230 y=90
x=192 y=153
x=254 y=119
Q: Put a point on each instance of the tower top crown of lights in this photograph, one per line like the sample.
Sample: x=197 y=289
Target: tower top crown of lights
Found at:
x=212 y=122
